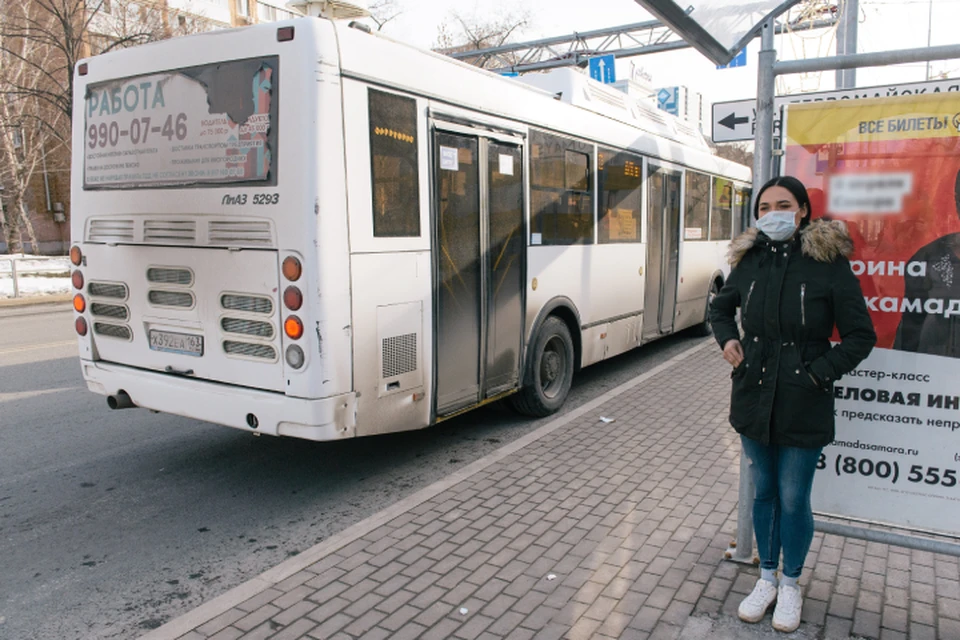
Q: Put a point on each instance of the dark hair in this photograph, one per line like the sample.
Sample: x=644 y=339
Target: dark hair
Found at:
x=795 y=187
x=956 y=193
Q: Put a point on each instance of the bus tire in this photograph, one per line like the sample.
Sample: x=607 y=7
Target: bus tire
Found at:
x=704 y=329
x=551 y=371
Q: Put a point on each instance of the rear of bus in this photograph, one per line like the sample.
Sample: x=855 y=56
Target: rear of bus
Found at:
x=206 y=170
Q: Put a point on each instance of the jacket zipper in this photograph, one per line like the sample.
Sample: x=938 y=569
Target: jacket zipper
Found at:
x=749 y=293
x=803 y=307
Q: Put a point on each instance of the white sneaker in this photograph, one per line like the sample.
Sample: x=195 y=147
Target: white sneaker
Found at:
x=786 y=617
x=755 y=605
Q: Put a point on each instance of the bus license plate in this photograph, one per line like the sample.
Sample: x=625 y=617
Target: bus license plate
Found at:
x=183 y=343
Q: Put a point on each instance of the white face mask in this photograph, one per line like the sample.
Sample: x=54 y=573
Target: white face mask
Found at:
x=778 y=225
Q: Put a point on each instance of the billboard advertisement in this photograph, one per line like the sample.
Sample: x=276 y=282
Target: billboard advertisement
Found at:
x=890 y=168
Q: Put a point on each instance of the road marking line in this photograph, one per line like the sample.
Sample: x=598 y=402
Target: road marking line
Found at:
x=34 y=347
x=23 y=395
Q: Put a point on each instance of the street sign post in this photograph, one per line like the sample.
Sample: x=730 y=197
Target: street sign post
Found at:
x=735 y=121
x=604 y=69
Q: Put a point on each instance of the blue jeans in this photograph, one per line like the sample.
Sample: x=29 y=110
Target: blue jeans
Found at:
x=782 y=516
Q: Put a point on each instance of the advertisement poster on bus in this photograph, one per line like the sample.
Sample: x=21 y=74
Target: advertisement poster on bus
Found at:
x=209 y=124
x=890 y=168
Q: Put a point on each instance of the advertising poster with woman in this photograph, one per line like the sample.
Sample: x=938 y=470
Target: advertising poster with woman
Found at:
x=890 y=169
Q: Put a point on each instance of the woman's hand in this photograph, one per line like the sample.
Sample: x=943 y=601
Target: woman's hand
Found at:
x=733 y=352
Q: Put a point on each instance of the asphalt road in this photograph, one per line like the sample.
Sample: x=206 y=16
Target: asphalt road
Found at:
x=113 y=522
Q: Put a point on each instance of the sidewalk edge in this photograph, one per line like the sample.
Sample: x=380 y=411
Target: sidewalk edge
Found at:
x=211 y=609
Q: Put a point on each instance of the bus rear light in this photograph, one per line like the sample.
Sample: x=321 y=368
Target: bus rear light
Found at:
x=295 y=356
x=292 y=269
x=292 y=298
x=82 y=69
x=284 y=34
x=293 y=327
x=76 y=256
x=81 y=326
x=77 y=278
x=79 y=304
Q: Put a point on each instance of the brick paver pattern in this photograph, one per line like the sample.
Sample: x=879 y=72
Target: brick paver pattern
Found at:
x=597 y=530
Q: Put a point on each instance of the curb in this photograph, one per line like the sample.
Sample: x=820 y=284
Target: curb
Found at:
x=29 y=301
x=219 y=605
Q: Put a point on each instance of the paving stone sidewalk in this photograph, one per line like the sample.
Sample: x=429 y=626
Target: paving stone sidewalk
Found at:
x=583 y=529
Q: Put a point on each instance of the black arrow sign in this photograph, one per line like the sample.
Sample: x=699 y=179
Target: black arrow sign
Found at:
x=731 y=121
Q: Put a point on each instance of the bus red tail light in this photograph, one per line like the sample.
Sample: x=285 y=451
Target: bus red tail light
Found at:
x=81 y=326
x=292 y=298
x=77 y=278
x=76 y=256
x=79 y=304
x=293 y=327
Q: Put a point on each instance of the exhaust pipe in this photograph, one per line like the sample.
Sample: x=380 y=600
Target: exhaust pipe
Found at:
x=120 y=401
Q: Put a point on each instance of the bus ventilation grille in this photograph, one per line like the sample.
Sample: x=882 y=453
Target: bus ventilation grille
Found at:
x=181 y=299
x=256 y=328
x=110 y=230
x=107 y=290
x=250 y=304
x=260 y=351
x=399 y=355
x=112 y=330
x=115 y=311
x=167 y=275
x=169 y=232
x=245 y=233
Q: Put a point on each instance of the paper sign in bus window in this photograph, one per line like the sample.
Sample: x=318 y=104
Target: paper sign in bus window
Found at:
x=506 y=164
x=876 y=193
x=448 y=159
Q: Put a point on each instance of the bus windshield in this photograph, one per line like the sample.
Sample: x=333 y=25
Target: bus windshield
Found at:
x=212 y=124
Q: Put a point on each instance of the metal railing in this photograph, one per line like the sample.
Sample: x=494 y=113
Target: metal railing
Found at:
x=18 y=267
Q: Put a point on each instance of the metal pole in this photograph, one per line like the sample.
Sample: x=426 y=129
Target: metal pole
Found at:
x=742 y=549
x=763 y=136
x=929 y=32
x=13 y=272
x=887 y=537
x=879 y=59
x=852 y=11
x=842 y=44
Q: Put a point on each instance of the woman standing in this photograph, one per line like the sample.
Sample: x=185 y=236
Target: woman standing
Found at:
x=793 y=284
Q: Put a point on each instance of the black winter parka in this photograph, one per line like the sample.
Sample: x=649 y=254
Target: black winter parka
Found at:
x=791 y=295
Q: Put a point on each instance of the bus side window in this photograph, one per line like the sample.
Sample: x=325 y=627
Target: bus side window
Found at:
x=721 y=213
x=620 y=182
x=696 y=217
x=394 y=168
x=561 y=190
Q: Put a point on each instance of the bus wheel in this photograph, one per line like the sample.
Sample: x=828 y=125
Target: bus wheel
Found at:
x=551 y=371
x=704 y=328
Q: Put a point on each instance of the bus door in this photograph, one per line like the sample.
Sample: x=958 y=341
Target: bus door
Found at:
x=478 y=249
x=663 y=252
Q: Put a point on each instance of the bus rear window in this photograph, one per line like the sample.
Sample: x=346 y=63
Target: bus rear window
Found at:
x=208 y=125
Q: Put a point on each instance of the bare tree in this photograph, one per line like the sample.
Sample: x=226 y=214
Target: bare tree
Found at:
x=740 y=152
x=469 y=33
x=41 y=42
x=383 y=11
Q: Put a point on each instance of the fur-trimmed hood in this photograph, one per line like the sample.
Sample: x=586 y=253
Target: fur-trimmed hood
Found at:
x=822 y=240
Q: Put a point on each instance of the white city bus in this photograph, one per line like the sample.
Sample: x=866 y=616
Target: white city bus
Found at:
x=304 y=229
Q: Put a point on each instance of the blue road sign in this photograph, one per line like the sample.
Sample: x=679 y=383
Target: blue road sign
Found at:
x=603 y=68
x=740 y=60
x=510 y=74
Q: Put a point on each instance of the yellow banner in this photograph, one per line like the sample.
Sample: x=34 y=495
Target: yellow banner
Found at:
x=875 y=119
